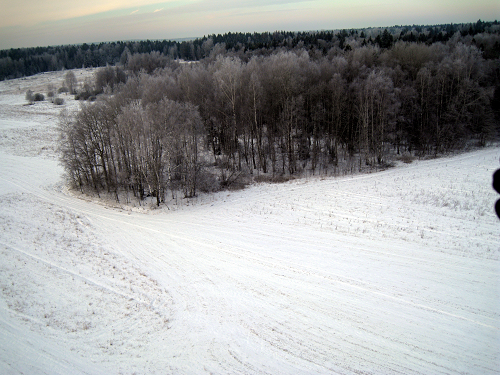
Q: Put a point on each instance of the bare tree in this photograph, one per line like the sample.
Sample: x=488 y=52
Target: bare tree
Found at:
x=227 y=78
x=70 y=81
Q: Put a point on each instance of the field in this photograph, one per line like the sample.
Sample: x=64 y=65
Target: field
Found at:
x=395 y=272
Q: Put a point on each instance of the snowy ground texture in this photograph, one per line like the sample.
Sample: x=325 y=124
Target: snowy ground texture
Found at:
x=396 y=272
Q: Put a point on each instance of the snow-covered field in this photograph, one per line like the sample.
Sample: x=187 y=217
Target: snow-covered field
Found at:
x=396 y=272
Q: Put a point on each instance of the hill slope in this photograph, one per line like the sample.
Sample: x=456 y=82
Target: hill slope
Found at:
x=394 y=272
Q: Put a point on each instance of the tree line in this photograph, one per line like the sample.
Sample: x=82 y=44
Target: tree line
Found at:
x=200 y=126
x=20 y=62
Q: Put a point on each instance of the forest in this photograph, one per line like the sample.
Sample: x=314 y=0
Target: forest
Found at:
x=21 y=62
x=350 y=102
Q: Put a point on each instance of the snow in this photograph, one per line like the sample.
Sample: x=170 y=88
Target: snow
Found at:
x=384 y=273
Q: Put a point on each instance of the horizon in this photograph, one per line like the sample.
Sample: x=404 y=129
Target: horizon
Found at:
x=56 y=23
x=192 y=38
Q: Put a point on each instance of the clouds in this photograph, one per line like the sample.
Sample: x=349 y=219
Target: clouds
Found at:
x=52 y=22
x=26 y=12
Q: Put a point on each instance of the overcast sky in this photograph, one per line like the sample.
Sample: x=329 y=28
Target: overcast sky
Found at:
x=28 y=23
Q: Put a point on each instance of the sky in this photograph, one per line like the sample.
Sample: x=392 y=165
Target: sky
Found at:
x=28 y=23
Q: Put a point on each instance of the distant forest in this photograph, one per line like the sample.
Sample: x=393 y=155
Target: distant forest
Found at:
x=21 y=62
x=276 y=105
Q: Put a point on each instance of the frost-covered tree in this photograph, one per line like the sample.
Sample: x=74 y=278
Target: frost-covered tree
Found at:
x=70 y=81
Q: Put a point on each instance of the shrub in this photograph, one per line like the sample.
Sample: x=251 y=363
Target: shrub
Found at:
x=84 y=95
x=406 y=158
x=38 y=97
x=58 y=101
x=207 y=182
x=29 y=96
